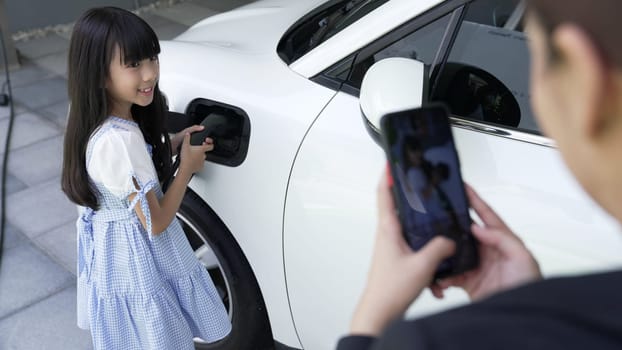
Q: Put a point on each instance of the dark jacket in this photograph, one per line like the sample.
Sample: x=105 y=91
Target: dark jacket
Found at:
x=562 y=313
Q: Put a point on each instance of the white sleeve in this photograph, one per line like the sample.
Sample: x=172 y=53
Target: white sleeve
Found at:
x=118 y=157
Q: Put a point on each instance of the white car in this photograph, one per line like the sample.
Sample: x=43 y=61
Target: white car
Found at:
x=283 y=215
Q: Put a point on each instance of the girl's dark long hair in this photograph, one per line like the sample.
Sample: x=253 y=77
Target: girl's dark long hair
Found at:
x=95 y=36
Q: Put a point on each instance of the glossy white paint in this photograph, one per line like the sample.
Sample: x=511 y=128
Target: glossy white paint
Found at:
x=267 y=20
x=321 y=224
x=534 y=192
x=390 y=85
x=360 y=33
x=249 y=198
x=329 y=221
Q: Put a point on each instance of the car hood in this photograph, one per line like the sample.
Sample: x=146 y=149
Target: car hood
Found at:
x=253 y=28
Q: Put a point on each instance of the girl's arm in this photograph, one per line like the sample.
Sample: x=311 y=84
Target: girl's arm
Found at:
x=163 y=211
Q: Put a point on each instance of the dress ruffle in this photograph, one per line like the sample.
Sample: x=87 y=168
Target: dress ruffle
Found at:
x=129 y=298
x=201 y=305
x=154 y=320
x=86 y=246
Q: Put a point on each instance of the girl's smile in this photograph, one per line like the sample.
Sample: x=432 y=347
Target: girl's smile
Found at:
x=146 y=92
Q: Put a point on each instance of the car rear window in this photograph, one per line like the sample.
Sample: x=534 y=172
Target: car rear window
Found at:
x=321 y=24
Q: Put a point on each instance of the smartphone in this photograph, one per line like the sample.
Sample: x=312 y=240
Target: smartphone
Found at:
x=427 y=186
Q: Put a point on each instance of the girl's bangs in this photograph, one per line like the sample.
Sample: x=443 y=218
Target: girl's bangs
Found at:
x=136 y=39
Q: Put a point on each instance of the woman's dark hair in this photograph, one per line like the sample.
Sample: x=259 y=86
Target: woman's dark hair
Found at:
x=600 y=19
x=95 y=36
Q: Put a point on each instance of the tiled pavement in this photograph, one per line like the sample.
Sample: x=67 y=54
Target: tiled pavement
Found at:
x=37 y=276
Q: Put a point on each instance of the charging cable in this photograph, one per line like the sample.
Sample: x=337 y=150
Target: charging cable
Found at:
x=5 y=99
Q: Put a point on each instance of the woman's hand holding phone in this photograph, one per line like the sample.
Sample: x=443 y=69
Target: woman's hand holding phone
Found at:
x=437 y=227
x=505 y=262
x=397 y=274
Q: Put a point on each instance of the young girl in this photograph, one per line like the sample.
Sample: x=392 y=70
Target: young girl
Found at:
x=139 y=283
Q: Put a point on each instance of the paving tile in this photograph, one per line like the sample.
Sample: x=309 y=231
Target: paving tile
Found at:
x=40 y=47
x=40 y=209
x=5 y=111
x=13 y=237
x=27 y=275
x=186 y=13
x=28 y=128
x=61 y=245
x=13 y=184
x=27 y=74
x=47 y=325
x=56 y=62
x=57 y=113
x=38 y=162
x=41 y=93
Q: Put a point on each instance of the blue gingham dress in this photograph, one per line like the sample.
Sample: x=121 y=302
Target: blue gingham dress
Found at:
x=137 y=290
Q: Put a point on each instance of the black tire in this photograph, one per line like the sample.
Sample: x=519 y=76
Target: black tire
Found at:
x=233 y=277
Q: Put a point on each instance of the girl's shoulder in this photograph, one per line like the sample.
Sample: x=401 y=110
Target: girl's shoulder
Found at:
x=115 y=132
x=117 y=154
x=116 y=125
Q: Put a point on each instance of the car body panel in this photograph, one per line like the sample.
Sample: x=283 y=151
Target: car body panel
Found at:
x=330 y=216
x=267 y=20
x=302 y=204
x=235 y=192
x=329 y=221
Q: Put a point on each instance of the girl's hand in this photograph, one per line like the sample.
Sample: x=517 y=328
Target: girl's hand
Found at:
x=193 y=157
x=397 y=274
x=505 y=262
x=177 y=139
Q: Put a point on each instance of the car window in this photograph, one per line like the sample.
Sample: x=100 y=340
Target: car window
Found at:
x=486 y=75
x=352 y=12
x=421 y=44
x=321 y=24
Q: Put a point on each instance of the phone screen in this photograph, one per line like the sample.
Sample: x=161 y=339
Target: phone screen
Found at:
x=427 y=186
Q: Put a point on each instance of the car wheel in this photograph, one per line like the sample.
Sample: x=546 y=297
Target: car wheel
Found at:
x=232 y=275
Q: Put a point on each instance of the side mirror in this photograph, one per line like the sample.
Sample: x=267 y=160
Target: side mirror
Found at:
x=391 y=85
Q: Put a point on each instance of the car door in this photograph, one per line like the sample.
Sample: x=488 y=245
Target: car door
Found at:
x=330 y=208
x=478 y=61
